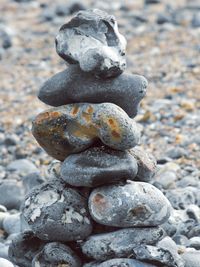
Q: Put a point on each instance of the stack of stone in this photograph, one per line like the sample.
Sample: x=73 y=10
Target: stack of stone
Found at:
x=101 y=210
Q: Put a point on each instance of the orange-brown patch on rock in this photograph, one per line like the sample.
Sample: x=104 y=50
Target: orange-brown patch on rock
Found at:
x=46 y=116
x=82 y=131
x=100 y=202
x=90 y=109
x=115 y=134
x=114 y=128
x=74 y=110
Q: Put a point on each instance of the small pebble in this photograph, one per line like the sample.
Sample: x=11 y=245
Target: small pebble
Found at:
x=12 y=223
x=22 y=166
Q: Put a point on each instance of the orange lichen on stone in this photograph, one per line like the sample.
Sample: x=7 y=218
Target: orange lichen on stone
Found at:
x=115 y=134
x=82 y=131
x=114 y=127
x=75 y=110
x=47 y=116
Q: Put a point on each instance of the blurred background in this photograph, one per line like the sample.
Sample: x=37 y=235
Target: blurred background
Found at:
x=163 y=45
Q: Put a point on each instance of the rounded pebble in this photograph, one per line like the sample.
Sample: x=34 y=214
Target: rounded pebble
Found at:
x=129 y=204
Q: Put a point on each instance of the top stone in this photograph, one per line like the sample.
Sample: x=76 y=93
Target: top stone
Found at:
x=91 y=39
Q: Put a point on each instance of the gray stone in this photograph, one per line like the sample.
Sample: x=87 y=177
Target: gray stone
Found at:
x=56 y=254
x=123 y=262
x=165 y=253
x=196 y=20
x=22 y=166
x=4 y=251
x=146 y=164
x=129 y=204
x=97 y=166
x=5 y=263
x=31 y=180
x=119 y=243
x=194 y=242
x=57 y=213
x=23 y=248
x=191 y=258
x=12 y=223
x=74 y=86
x=91 y=39
x=75 y=127
x=11 y=193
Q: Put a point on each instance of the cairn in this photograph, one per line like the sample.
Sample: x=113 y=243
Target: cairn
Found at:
x=101 y=210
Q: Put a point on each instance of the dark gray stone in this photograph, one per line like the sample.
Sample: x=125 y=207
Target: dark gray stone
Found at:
x=56 y=254
x=146 y=164
x=91 y=39
x=73 y=86
x=97 y=166
x=11 y=193
x=120 y=243
x=73 y=128
x=129 y=204
x=57 y=213
x=123 y=262
x=23 y=248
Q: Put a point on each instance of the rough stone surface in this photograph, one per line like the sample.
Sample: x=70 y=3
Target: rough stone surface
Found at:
x=120 y=243
x=56 y=255
x=57 y=213
x=23 y=248
x=73 y=128
x=91 y=39
x=98 y=165
x=121 y=262
x=129 y=204
x=146 y=164
x=73 y=86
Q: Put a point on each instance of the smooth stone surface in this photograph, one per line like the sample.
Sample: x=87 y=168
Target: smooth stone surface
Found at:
x=56 y=254
x=74 y=86
x=57 y=213
x=24 y=247
x=191 y=258
x=5 y=263
x=92 y=40
x=123 y=262
x=4 y=251
x=11 y=193
x=12 y=223
x=22 y=166
x=194 y=242
x=73 y=128
x=31 y=180
x=165 y=253
x=146 y=164
x=97 y=166
x=129 y=204
x=119 y=243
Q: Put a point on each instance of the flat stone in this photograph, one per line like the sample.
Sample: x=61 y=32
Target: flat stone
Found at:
x=24 y=247
x=75 y=86
x=11 y=193
x=73 y=128
x=165 y=253
x=123 y=262
x=146 y=164
x=120 y=243
x=129 y=205
x=56 y=254
x=91 y=39
x=57 y=213
x=97 y=166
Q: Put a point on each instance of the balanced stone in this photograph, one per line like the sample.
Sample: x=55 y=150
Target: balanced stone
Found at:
x=120 y=262
x=98 y=165
x=57 y=213
x=74 y=86
x=91 y=39
x=73 y=128
x=56 y=254
x=146 y=164
x=24 y=247
x=120 y=243
x=129 y=204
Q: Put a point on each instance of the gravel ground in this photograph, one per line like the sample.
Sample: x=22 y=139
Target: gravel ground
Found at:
x=163 y=45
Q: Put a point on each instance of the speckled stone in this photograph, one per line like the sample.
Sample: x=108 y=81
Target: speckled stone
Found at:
x=23 y=248
x=146 y=164
x=91 y=39
x=57 y=213
x=129 y=204
x=74 y=86
x=56 y=255
x=97 y=166
x=123 y=262
x=120 y=243
x=73 y=128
